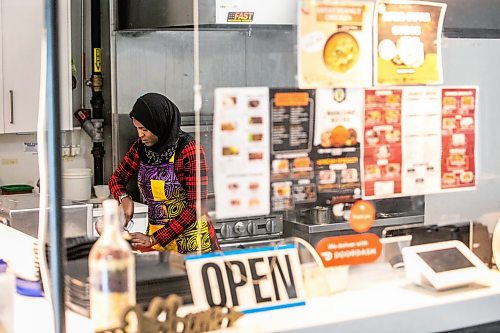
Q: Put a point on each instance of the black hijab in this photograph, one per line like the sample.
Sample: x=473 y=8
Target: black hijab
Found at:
x=162 y=117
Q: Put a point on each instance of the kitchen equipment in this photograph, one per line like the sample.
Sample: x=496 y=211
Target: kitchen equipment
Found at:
x=16 y=189
x=250 y=231
x=389 y=212
x=137 y=14
x=318 y=215
x=76 y=183
x=321 y=215
x=20 y=212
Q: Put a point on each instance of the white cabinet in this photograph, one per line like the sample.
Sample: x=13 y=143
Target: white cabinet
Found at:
x=22 y=26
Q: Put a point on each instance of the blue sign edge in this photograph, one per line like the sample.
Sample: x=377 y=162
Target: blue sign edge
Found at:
x=236 y=252
x=273 y=307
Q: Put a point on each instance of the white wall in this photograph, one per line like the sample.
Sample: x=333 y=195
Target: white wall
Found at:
x=474 y=62
x=17 y=166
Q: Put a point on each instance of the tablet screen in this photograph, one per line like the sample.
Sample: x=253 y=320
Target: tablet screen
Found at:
x=445 y=259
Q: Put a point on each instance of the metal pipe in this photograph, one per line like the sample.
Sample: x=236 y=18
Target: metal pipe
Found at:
x=82 y=36
x=114 y=100
x=97 y=100
x=56 y=218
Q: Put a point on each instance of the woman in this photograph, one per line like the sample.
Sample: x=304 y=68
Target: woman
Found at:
x=165 y=158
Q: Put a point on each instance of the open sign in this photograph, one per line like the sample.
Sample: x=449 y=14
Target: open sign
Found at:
x=252 y=280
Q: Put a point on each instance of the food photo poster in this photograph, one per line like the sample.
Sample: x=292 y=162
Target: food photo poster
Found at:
x=407 y=42
x=241 y=146
x=334 y=43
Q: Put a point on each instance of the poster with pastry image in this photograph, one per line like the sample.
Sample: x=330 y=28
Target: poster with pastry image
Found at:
x=458 y=157
x=382 y=154
x=334 y=41
x=292 y=125
x=241 y=141
x=337 y=136
x=407 y=42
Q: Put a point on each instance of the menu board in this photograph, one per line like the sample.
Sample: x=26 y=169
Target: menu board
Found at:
x=336 y=150
x=419 y=140
x=241 y=152
x=421 y=128
x=407 y=42
x=458 y=137
x=382 y=153
x=334 y=43
x=292 y=174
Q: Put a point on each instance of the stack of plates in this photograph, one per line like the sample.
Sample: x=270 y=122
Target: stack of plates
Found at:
x=154 y=277
x=76 y=248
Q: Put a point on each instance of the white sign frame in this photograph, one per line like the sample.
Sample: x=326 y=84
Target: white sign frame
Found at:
x=215 y=279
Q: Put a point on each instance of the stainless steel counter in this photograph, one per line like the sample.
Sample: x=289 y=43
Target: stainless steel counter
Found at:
x=313 y=233
x=21 y=213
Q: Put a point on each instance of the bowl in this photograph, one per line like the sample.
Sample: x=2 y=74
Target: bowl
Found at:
x=101 y=191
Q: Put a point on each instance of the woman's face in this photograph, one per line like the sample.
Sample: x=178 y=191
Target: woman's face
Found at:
x=147 y=137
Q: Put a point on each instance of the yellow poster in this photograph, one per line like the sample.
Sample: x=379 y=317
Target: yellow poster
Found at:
x=334 y=43
x=407 y=48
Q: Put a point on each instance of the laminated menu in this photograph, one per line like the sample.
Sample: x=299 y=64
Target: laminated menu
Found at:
x=382 y=143
x=241 y=152
x=419 y=140
x=334 y=43
x=421 y=128
x=458 y=167
x=292 y=174
x=336 y=150
x=407 y=42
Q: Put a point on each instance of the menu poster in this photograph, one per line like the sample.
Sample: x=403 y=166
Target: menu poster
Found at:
x=382 y=153
x=458 y=137
x=407 y=42
x=241 y=152
x=337 y=138
x=334 y=43
x=421 y=128
x=292 y=175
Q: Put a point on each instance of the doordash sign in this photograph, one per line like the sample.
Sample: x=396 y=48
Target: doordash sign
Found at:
x=252 y=280
x=349 y=249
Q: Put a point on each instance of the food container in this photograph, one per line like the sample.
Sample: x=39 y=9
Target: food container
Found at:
x=318 y=215
x=101 y=191
x=16 y=189
x=77 y=184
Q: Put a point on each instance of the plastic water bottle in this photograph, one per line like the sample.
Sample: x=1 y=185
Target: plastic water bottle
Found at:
x=111 y=272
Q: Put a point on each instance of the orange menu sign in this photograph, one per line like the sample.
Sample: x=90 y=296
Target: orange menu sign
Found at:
x=362 y=216
x=291 y=99
x=349 y=250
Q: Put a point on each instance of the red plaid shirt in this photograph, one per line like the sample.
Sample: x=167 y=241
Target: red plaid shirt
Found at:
x=185 y=170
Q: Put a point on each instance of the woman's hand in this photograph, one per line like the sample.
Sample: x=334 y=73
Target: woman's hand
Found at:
x=128 y=208
x=140 y=240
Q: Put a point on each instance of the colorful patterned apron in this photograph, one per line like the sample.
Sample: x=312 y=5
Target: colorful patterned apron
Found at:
x=166 y=199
